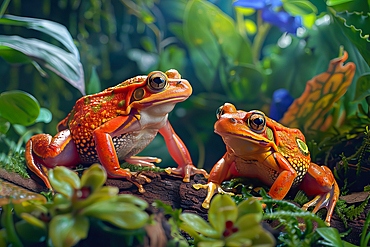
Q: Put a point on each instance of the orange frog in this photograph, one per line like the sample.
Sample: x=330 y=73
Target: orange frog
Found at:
x=259 y=147
x=115 y=125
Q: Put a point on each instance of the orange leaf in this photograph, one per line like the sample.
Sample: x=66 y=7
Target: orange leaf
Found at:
x=321 y=92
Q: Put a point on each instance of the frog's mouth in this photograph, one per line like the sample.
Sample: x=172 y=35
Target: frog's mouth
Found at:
x=248 y=138
x=164 y=101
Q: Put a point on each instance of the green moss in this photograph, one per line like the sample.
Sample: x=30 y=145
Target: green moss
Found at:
x=135 y=168
x=15 y=162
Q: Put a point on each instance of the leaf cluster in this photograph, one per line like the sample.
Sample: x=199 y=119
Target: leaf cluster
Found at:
x=80 y=205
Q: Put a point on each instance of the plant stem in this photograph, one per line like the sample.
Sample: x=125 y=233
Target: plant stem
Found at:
x=259 y=39
x=4 y=6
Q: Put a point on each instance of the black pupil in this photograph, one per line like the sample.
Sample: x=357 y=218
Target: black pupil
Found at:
x=258 y=121
x=157 y=82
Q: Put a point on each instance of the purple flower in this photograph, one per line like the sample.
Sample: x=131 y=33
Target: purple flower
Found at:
x=281 y=19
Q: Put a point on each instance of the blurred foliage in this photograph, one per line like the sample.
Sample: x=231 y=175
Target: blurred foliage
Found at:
x=79 y=206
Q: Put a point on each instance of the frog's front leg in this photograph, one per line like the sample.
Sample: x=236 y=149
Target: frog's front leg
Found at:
x=107 y=153
x=286 y=175
x=320 y=181
x=222 y=170
x=43 y=151
x=180 y=154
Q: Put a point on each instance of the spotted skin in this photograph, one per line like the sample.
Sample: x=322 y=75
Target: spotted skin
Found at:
x=114 y=125
x=259 y=147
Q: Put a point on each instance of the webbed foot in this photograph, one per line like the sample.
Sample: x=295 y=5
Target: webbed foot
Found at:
x=187 y=171
x=213 y=188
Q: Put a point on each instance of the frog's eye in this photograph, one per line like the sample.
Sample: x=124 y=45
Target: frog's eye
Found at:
x=219 y=112
x=157 y=81
x=302 y=146
x=138 y=93
x=257 y=121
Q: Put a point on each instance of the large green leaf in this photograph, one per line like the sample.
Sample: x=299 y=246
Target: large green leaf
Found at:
x=198 y=224
x=55 y=30
x=121 y=214
x=61 y=62
x=67 y=230
x=19 y=107
x=211 y=37
x=356 y=26
x=331 y=235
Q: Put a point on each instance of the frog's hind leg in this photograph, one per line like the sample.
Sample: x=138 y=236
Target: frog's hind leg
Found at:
x=44 y=151
x=320 y=181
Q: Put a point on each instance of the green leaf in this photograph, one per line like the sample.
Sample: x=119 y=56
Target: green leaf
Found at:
x=121 y=214
x=132 y=199
x=33 y=220
x=55 y=30
x=94 y=177
x=61 y=62
x=8 y=223
x=221 y=210
x=245 y=82
x=66 y=230
x=249 y=206
x=362 y=87
x=94 y=85
x=29 y=234
x=100 y=194
x=211 y=36
x=64 y=180
x=198 y=224
x=45 y=116
x=331 y=235
x=356 y=27
x=4 y=125
x=13 y=56
x=336 y=2
x=299 y=7
x=19 y=107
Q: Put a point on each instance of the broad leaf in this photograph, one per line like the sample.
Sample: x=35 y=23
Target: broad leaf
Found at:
x=67 y=230
x=356 y=26
x=19 y=107
x=198 y=224
x=61 y=62
x=299 y=7
x=331 y=235
x=55 y=30
x=120 y=214
x=362 y=87
x=211 y=37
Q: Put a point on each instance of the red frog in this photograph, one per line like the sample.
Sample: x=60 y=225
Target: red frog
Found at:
x=259 y=147
x=115 y=125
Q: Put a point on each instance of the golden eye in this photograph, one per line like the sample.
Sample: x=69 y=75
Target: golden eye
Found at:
x=139 y=93
x=157 y=81
x=302 y=146
x=219 y=112
x=257 y=122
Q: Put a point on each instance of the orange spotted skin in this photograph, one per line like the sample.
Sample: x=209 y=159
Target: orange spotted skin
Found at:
x=115 y=125
x=91 y=111
x=259 y=147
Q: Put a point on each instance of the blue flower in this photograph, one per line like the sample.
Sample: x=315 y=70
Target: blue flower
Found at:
x=281 y=100
x=281 y=19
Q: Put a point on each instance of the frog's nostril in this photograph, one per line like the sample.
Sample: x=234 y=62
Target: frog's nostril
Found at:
x=233 y=120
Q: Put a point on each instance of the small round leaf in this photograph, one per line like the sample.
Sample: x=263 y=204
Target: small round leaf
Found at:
x=19 y=107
